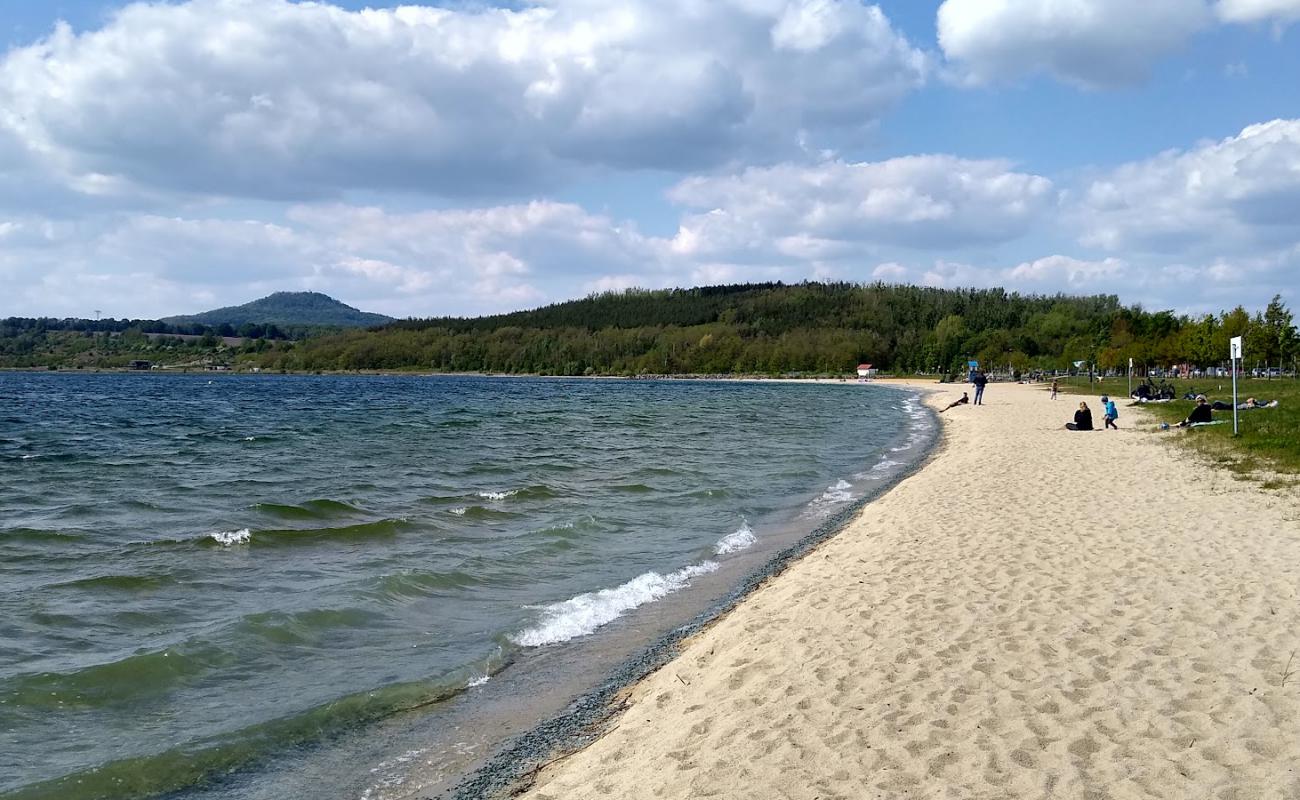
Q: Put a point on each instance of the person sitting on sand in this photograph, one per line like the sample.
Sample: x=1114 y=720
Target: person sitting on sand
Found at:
x=1082 y=419
x=1202 y=413
x=961 y=401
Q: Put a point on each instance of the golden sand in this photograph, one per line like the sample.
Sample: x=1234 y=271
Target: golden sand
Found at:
x=1035 y=614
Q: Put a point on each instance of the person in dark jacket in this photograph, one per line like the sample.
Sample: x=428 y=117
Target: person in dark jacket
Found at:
x=1082 y=419
x=980 y=380
x=1201 y=413
x=960 y=401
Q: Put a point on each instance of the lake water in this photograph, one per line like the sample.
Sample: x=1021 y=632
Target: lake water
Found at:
x=208 y=582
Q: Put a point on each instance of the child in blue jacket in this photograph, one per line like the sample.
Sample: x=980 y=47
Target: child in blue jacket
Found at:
x=1111 y=413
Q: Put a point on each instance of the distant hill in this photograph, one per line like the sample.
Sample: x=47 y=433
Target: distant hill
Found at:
x=287 y=308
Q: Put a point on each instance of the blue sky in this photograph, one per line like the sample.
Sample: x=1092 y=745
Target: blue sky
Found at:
x=468 y=159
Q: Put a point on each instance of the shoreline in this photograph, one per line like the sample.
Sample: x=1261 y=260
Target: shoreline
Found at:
x=413 y=373
x=516 y=764
x=1024 y=636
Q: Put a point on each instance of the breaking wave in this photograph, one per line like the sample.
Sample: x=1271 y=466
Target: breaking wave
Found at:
x=583 y=614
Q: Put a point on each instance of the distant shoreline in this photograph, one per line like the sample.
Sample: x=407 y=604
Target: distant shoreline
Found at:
x=424 y=374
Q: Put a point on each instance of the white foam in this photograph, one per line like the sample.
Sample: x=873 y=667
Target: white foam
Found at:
x=228 y=538
x=460 y=512
x=736 y=541
x=498 y=495
x=884 y=465
x=839 y=493
x=582 y=615
x=477 y=682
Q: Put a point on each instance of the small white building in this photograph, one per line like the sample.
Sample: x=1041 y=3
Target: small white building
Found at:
x=867 y=372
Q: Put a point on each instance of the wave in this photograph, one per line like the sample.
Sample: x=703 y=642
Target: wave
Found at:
x=631 y=488
x=583 y=614
x=202 y=760
x=40 y=536
x=228 y=538
x=482 y=512
x=839 y=492
x=128 y=583
x=709 y=494
x=114 y=683
x=312 y=509
x=304 y=627
x=380 y=529
x=736 y=541
x=416 y=584
x=489 y=495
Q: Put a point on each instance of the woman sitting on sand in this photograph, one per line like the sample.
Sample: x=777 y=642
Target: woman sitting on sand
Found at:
x=1082 y=419
x=1202 y=413
x=961 y=401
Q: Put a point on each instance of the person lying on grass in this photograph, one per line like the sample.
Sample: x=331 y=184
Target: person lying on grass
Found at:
x=1219 y=405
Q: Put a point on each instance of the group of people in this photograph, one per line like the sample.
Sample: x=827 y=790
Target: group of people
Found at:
x=1083 y=417
x=979 y=380
x=1201 y=414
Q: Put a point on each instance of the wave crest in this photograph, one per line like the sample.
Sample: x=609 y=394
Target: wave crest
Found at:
x=583 y=614
x=736 y=541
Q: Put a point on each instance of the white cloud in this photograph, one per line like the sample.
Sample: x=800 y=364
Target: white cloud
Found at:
x=1279 y=11
x=1238 y=195
x=1206 y=286
x=838 y=209
x=276 y=99
x=1091 y=43
x=889 y=272
x=1062 y=272
x=464 y=261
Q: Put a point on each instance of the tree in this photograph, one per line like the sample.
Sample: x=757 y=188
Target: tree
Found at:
x=1279 y=332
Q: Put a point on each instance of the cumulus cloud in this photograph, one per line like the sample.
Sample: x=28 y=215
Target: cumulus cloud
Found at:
x=278 y=99
x=1278 y=11
x=1090 y=43
x=1207 y=286
x=462 y=261
x=834 y=209
x=1238 y=195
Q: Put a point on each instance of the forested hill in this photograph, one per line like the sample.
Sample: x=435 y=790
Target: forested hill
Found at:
x=775 y=308
x=311 y=309
x=810 y=327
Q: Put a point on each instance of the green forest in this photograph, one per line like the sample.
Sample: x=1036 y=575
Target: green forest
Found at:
x=770 y=329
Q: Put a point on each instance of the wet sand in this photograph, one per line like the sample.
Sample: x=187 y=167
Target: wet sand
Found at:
x=1035 y=614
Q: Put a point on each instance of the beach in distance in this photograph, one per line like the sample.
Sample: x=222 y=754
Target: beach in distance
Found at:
x=1037 y=613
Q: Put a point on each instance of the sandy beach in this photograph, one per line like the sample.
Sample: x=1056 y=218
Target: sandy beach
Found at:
x=1035 y=614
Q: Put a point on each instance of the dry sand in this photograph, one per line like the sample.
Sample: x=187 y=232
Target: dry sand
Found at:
x=1035 y=614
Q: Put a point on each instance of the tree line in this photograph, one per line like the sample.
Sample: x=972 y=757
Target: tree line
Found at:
x=769 y=328
x=804 y=328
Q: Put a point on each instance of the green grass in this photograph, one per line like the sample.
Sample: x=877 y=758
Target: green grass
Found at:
x=1267 y=448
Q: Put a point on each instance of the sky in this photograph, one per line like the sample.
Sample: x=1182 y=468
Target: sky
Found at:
x=468 y=158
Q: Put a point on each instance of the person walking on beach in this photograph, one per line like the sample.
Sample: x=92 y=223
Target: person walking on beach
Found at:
x=1110 y=412
x=980 y=380
x=1055 y=387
